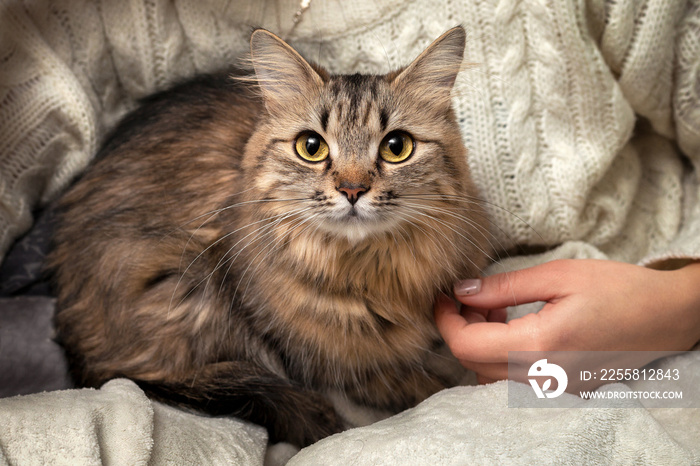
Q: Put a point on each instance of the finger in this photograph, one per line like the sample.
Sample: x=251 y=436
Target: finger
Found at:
x=447 y=315
x=477 y=341
x=473 y=317
x=484 y=315
x=545 y=282
x=497 y=315
x=485 y=380
x=495 y=371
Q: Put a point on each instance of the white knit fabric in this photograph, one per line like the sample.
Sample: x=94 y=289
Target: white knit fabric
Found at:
x=547 y=107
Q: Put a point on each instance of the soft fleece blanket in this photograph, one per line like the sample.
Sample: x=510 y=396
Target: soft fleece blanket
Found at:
x=464 y=425
x=118 y=424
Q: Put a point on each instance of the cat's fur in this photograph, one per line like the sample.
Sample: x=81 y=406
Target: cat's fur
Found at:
x=203 y=258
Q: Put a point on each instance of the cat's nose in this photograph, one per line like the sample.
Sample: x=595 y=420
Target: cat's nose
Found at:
x=352 y=191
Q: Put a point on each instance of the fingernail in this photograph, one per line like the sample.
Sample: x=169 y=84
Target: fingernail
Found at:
x=467 y=287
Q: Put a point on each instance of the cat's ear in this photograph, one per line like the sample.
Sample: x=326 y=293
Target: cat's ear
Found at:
x=433 y=73
x=282 y=74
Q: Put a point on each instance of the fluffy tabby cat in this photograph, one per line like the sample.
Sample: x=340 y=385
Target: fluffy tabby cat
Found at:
x=246 y=243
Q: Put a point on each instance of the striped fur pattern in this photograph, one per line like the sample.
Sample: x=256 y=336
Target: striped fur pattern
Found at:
x=202 y=257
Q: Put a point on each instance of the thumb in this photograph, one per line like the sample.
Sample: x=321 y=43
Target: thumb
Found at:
x=486 y=342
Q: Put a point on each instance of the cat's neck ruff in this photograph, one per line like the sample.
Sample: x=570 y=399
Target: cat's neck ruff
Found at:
x=400 y=264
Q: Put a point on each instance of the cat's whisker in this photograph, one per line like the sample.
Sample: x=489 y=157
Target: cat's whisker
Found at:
x=474 y=200
x=462 y=235
x=311 y=219
x=403 y=216
x=215 y=212
x=259 y=236
x=461 y=218
x=479 y=227
x=208 y=276
x=215 y=242
x=205 y=250
x=396 y=242
x=410 y=220
x=297 y=225
x=481 y=214
x=404 y=236
x=270 y=227
x=454 y=246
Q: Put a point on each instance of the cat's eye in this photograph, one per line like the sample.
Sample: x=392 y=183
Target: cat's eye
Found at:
x=396 y=147
x=311 y=147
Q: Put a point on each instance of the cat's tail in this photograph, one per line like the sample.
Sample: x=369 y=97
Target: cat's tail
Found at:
x=245 y=390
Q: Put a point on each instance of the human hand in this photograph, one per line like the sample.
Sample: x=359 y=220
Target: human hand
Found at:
x=590 y=305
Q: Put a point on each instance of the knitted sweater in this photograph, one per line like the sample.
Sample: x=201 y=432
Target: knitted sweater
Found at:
x=582 y=118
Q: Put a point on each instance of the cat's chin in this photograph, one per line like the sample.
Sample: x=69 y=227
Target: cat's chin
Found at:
x=355 y=229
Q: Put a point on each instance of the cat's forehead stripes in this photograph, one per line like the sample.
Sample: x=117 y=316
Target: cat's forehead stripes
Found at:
x=355 y=107
x=325 y=114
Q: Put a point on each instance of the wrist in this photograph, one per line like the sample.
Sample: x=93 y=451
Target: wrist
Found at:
x=686 y=291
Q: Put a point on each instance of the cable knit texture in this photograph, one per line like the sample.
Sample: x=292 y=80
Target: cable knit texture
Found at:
x=547 y=108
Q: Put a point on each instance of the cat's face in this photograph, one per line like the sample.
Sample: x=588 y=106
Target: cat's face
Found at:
x=357 y=155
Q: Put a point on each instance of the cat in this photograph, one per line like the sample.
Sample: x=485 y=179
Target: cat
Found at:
x=249 y=241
